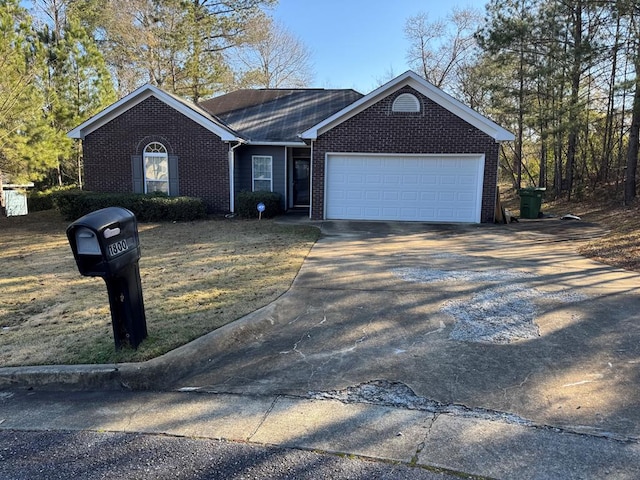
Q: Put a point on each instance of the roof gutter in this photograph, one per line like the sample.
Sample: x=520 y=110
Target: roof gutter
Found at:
x=276 y=144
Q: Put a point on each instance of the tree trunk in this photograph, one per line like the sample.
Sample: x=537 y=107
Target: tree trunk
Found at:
x=607 y=144
x=632 y=150
x=572 y=143
x=542 y=177
x=518 y=157
x=59 y=179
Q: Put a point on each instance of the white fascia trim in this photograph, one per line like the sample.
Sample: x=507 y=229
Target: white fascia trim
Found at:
x=459 y=109
x=419 y=84
x=472 y=156
x=276 y=144
x=138 y=96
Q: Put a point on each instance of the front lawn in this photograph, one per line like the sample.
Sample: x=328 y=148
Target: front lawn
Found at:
x=196 y=277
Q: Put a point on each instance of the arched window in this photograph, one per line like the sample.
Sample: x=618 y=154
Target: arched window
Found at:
x=156 y=168
x=406 y=102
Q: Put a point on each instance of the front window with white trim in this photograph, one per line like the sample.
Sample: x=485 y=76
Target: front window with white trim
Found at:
x=156 y=168
x=262 y=167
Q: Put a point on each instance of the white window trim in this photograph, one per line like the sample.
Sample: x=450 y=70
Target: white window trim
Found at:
x=145 y=155
x=253 y=173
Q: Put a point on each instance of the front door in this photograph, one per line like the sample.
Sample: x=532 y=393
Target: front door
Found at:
x=301 y=182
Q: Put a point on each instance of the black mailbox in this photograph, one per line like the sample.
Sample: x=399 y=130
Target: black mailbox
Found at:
x=105 y=244
x=104 y=241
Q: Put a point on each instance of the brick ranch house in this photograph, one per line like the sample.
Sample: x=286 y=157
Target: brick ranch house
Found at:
x=406 y=151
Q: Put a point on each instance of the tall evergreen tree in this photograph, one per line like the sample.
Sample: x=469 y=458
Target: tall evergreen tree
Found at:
x=508 y=39
x=27 y=143
x=78 y=84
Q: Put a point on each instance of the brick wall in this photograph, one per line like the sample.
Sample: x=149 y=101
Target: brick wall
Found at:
x=202 y=156
x=433 y=130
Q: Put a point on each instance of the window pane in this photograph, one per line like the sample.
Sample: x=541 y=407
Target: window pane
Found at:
x=154 y=186
x=156 y=168
x=155 y=147
x=262 y=167
x=262 y=173
x=262 y=185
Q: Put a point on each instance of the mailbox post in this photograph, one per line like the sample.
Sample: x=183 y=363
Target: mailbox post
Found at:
x=105 y=244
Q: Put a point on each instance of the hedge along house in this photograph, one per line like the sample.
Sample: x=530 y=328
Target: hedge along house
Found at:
x=406 y=151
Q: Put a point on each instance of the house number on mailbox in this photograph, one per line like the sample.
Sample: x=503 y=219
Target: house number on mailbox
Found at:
x=117 y=248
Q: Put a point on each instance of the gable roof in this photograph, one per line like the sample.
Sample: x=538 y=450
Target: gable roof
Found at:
x=419 y=84
x=277 y=115
x=190 y=110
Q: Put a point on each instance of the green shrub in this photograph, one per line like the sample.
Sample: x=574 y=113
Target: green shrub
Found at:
x=147 y=208
x=44 y=199
x=247 y=204
x=38 y=201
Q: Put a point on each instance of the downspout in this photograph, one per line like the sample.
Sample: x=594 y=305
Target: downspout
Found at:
x=497 y=196
x=311 y=184
x=232 y=157
x=286 y=179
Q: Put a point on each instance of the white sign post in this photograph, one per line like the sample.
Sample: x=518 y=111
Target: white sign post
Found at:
x=260 y=208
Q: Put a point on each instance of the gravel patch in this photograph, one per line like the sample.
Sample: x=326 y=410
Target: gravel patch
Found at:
x=424 y=275
x=497 y=315
x=502 y=313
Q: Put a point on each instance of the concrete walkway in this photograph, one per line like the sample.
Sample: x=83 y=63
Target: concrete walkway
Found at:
x=489 y=350
x=456 y=444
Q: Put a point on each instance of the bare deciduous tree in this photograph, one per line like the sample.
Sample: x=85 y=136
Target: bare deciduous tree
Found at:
x=272 y=57
x=441 y=49
x=175 y=44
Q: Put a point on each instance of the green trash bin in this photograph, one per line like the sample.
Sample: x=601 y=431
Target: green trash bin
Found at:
x=530 y=202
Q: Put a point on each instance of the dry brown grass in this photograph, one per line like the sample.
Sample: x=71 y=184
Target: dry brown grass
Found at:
x=195 y=276
x=620 y=247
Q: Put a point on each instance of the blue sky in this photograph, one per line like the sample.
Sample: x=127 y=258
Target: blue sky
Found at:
x=357 y=43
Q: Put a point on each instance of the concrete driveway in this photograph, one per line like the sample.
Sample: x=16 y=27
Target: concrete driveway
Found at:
x=490 y=321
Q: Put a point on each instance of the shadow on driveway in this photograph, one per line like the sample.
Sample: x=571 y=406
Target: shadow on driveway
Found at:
x=355 y=327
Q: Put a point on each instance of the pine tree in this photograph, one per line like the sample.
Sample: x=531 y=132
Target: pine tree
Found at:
x=27 y=144
x=78 y=85
x=508 y=39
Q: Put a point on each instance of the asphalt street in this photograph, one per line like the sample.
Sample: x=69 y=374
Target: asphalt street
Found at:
x=63 y=455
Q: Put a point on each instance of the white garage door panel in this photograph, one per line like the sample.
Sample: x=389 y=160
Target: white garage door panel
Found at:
x=412 y=188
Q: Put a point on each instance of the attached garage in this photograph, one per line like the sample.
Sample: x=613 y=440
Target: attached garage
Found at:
x=426 y=188
x=407 y=152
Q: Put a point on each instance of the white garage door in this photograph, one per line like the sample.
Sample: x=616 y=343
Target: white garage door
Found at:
x=430 y=188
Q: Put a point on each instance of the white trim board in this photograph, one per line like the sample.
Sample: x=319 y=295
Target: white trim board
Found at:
x=191 y=111
x=419 y=84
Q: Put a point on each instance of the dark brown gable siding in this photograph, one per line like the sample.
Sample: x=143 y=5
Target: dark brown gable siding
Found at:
x=433 y=130
x=202 y=156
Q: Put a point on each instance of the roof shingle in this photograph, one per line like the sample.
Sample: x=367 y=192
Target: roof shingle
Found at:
x=277 y=115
